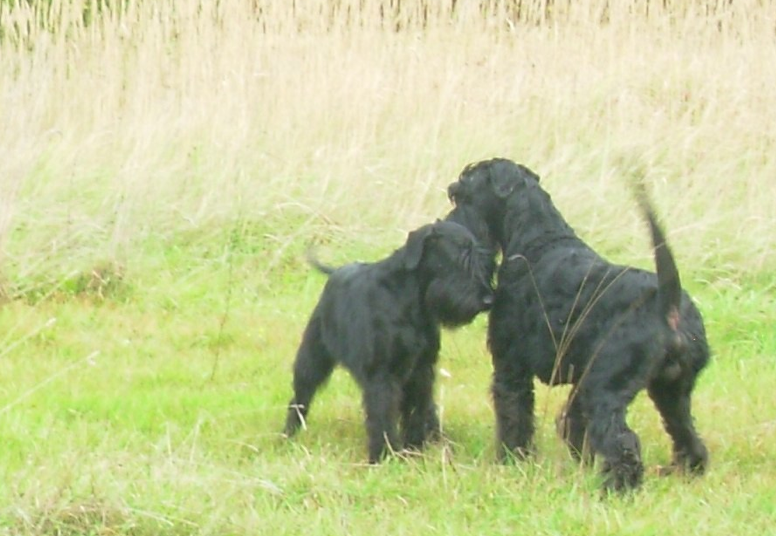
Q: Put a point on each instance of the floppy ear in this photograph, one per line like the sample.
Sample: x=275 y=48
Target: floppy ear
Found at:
x=413 y=250
x=527 y=173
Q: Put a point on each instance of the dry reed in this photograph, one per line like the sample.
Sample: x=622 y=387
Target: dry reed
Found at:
x=164 y=117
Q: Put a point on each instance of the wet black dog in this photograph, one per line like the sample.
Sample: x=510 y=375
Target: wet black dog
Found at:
x=565 y=315
x=382 y=321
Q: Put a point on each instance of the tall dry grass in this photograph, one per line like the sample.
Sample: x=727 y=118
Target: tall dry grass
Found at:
x=339 y=118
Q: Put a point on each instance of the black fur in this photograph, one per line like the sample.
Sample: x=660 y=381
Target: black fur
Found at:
x=565 y=315
x=381 y=321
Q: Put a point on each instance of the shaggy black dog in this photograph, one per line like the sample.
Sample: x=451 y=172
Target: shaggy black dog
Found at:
x=565 y=315
x=381 y=321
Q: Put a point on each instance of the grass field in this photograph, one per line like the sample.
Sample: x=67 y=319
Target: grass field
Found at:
x=164 y=166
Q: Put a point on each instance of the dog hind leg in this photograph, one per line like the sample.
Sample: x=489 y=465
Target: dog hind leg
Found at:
x=672 y=400
x=312 y=367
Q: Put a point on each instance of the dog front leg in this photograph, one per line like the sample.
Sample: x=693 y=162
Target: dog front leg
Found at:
x=513 y=401
x=382 y=397
x=419 y=413
x=572 y=427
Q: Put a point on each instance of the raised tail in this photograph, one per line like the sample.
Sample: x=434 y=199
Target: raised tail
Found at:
x=318 y=265
x=669 y=286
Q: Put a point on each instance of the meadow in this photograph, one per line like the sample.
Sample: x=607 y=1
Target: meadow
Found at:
x=164 y=166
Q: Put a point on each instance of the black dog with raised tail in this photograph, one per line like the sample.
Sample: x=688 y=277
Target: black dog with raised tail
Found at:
x=564 y=314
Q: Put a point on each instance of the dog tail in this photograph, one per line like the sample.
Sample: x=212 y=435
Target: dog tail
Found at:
x=669 y=286
x=318 y=265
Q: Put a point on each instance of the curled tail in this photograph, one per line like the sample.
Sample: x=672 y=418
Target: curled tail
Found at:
x=318 y=265
x=669 y=286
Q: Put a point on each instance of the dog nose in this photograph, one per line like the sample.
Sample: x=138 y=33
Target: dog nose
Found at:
x=451 y=191
x=487 y=301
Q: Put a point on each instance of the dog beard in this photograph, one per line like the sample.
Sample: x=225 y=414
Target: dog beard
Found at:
x=453 y=305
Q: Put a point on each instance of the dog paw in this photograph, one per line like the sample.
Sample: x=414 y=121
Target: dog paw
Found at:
x=692 y=461
x=621 y=477
x=506 y=455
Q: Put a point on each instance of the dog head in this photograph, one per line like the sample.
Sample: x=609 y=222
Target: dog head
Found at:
x=485 y=188
x=454 y=270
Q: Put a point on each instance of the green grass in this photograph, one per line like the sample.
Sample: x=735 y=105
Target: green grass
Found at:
x=165 y=167
x=140 y=416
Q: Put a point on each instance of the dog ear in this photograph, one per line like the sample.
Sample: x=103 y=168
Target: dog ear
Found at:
x=416 y=242
x=505 y=176
x=528 y=173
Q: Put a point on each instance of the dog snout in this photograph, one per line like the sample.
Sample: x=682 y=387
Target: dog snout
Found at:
x=487 y=301
x=452 y=191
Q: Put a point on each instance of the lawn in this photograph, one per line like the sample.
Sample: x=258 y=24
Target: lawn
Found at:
x=164 y=167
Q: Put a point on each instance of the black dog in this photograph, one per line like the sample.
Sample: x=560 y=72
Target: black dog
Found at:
x=565 y=315
x=382 y=322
